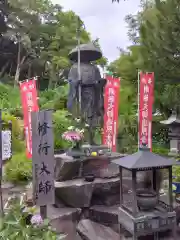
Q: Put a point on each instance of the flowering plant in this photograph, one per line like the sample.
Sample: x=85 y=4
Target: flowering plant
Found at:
x=14 y=225
x=73 y=134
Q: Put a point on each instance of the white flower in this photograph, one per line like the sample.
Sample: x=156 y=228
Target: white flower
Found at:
x=77 y=130
x=70 y=127
x=77 y=119
x=86 y=125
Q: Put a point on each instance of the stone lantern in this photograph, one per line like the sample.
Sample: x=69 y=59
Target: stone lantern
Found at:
x=144 y=212
x=173 y=123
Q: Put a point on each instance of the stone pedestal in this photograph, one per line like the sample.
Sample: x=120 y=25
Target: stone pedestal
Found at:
x=64 y=220
x=66 y=167
x=75 y=193
x=174 y=147
x=173 y=124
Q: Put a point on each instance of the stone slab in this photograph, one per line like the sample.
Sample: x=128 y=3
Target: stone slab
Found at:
x=94 y=231
x=64 y=220
x=107 y=186
x=75 y=193
x=79 y=193
x=107 y=192
x=107 y=200
x=66 y=167
x=75 y=237
x=104 y=215
x=101 y=167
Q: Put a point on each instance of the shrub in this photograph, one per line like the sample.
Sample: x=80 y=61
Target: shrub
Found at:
x=54 y=98
x=9 y=97
x=17 y=132
x=61 y=123
x=18 y=169
x=14 y=226
x=176 y=173
x=160 y=150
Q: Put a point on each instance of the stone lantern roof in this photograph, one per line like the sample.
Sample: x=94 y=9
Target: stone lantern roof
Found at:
x=173 y=119
x=144 y=160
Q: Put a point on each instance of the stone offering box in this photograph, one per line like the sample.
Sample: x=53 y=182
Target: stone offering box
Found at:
x=145 y=213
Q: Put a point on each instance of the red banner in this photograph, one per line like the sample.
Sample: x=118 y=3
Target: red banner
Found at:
x=111 y=104
x=29 y=104
x=146 y=98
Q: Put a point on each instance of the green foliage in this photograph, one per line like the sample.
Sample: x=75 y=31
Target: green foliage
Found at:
x=17 y=132
x=155 y=33
x=60 y=122
x=13 y=226
x=160 y=150
x=54 y=98
x=127 y=123
x=36 y=42
x=18 y=169
x=9 y=97
x=176 y=173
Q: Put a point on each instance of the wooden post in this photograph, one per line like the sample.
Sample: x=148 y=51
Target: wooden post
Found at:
x=43 y=160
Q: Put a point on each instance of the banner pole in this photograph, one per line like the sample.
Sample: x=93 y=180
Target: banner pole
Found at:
x=138 y=107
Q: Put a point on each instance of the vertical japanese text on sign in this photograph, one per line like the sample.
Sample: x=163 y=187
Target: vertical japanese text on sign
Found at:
x=43 y=158
x=30 y=104
x=111 y=100
x=145 y=109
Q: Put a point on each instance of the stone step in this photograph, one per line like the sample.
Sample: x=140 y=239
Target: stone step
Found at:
x=65 y=221
x=104 y=214
x=74 y=193
x=78 y=192
x=90 y=230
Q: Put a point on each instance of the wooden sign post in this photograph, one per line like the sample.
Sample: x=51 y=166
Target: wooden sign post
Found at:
x=43 y=160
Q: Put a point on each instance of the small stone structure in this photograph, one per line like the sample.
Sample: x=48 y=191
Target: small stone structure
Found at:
x=145 y=213
x=173 y=123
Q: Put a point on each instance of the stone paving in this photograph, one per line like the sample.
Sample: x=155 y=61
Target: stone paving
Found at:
x=9 y=190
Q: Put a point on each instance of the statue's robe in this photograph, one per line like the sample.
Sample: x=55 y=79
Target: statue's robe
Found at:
x=92 y=93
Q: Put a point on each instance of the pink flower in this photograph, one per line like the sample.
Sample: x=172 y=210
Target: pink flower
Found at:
x=72 y=136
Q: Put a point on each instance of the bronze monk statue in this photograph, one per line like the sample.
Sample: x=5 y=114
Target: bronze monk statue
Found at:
x=91 y=94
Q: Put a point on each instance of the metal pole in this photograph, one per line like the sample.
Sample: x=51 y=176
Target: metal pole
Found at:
x=138 y=106
x=1 y=199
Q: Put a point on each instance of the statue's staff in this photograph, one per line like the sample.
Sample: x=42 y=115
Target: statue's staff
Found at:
x=79 y=66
